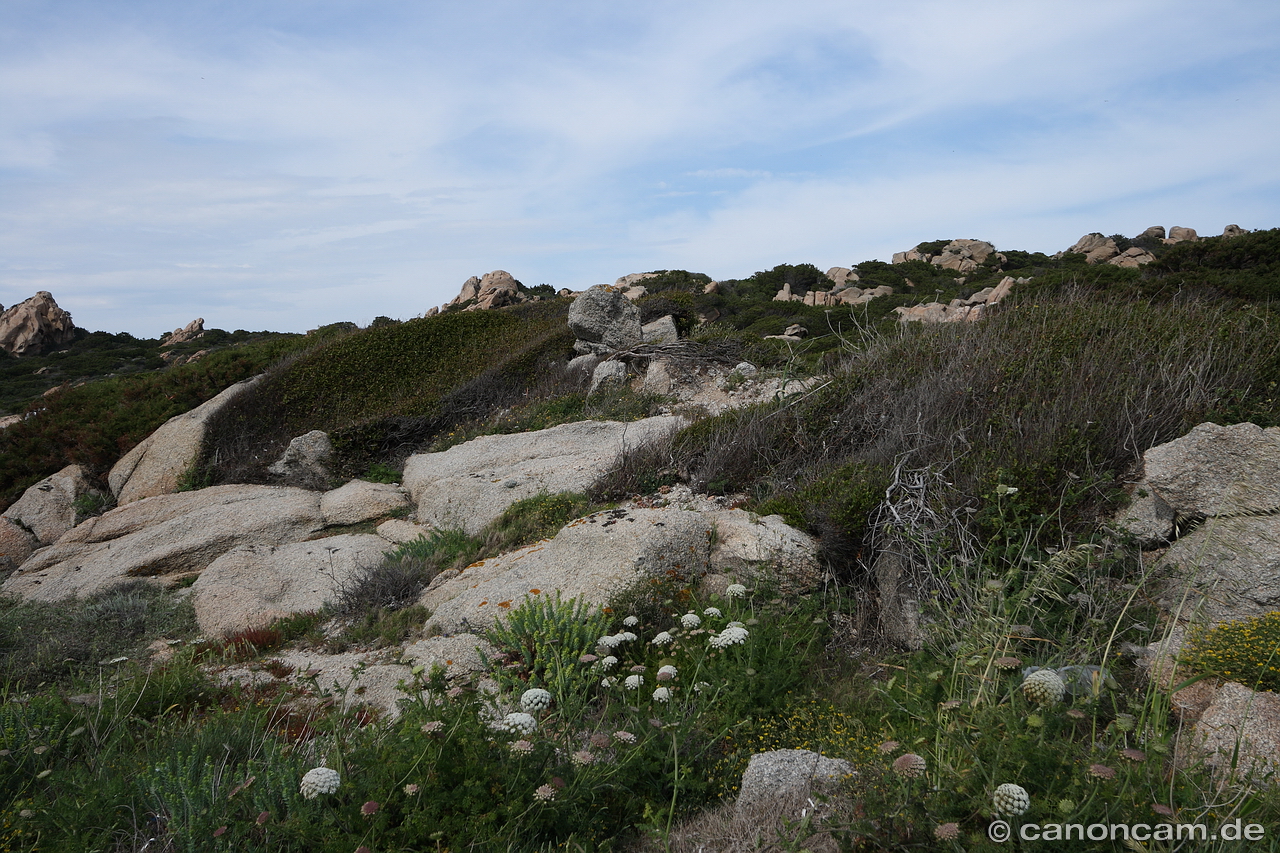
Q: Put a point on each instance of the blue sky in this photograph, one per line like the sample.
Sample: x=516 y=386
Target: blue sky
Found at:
x=282 y=165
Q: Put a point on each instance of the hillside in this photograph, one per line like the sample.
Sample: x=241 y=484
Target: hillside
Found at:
x=956 y=483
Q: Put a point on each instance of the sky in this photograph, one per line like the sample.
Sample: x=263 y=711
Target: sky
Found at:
x=281 y=164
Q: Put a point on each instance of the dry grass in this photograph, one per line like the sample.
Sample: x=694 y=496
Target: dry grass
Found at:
x=787 y=823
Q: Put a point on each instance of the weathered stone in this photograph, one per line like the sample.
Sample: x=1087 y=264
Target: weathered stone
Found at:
x=307 y=459
x=1149 y=519
x=842 y=277
x=783 y=774
x=189 y=332
x=660 y=331
x=34 y=325
x=48 y=509
x=1240 y=728
x=1178 y=234
x=749 y=546
x=253 y=585
x=459 y=655
x=1096 y=248
x=1217 y=470
x=1156 y=231
x=399 y=531
x=1132 y=258
x=167 y=535
x=16 y=544
x=1233 y=231
x=157 y=464
x=603 y=315
x=592 y=559
x=470 y=484
x=963 y=255
x=608 y=373
x=360 y=500
x=899 y=601
x=1232 y=564
x=633 y=278
x=496 y=289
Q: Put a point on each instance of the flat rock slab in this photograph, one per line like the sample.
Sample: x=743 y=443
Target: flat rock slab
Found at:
x=459 y=655
x=749 y=546
x=48 y=509
x=592 y=559
x=253 y=585
x=1233 y=565
x=361 y=500
x=781 y=774
x=1239 y=718
x=470 y=485
x=165 y=535
x=350 y=679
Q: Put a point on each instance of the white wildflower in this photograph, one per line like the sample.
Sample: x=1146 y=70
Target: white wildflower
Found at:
x=663 y=639
x=634 y=682
x=535 y=699
x=662 y=694
x=631 y=621
x=608 y=681
x=516 y=723
x=608 y=662
x=690 y=620
x=666 y=673
x=713 y=612
x=319 y=780
x=730 y=636
x=736 y=590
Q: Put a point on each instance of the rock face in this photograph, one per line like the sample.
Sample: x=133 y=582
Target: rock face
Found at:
x=35 y=324
x=471 y=484
x=1239 y=718
x=1178 y=234
x=157 y=464
x=189 y=332
x=1233 y=231
x=959 y=255
x=660 y=331
x=604 y=320
x=359 y=501
x=1215 y=494
x=253 y=585
x=496 y=289
x=787 y=774
x=168 y=535
x=47 y=509
x=1095 y=248
x=16 y=544
x=748 y=546
x=607 y=373
x=307 y=460
x=591 y=559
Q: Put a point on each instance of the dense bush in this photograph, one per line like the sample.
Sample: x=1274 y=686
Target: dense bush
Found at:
x=1246 y=651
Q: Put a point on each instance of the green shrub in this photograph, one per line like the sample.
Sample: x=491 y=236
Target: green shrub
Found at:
x=1246 y=651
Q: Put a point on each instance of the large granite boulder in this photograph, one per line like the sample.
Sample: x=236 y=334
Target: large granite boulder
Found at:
x=16 y=544
x=34 y=325
x=156 y=465
x=307 y=461
x=496 y=289
x=604 y=320
x=592 y=559
x=48 y=509
x=253 y=585
x=166 y=536
x=748 y=546
x=1239 y=732
x=189 y=332
x=471 y=484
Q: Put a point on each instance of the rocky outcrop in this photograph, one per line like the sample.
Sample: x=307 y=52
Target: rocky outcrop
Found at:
x=1233 y=231
x=607 y=373
x=1238 y=733
x=841 y=278
x=592 y=559
x=48 y=509
x=471 y=484
x=1215 y=495
x=157 y=464
x=1178 y=234
x=660 y=331
x=1095 y=248
x=1132 y=258
x=969 y=308
x=496 y=289
x=253 y=585
x=307 y=461
x=359 y=501
x=748 y=546
x=189 y=332
x=168 y=536
x=16 y=544
x=603 y=320
x=960 y=255
x=35 y=325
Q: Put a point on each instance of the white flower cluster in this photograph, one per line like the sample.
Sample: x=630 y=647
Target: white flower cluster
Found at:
x=634 y=682
x=535 y=699
x=1011 y=799
x=608 y=662
x=668 y=672
x=663 y=639
x=516 y=723
x=730 y=636
x=713 y=612
x=631 y=621
x=736 y=590
x=662 y=694
x=319 y=780
x=612 y=641
x=690 y=620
